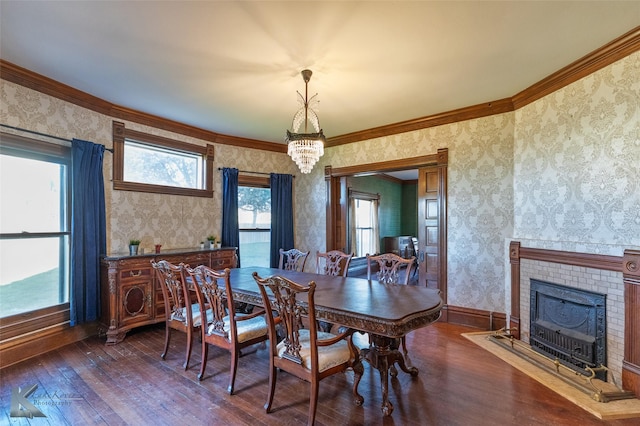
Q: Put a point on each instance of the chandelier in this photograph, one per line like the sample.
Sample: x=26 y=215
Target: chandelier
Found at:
x=305 y=148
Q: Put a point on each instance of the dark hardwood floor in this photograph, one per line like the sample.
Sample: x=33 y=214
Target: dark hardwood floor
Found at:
x=128 y=384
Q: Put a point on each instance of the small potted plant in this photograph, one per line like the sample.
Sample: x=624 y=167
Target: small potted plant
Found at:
x=133 y=247
x=212 y=241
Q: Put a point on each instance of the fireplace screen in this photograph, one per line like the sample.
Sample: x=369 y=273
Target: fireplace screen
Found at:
x=569 y=324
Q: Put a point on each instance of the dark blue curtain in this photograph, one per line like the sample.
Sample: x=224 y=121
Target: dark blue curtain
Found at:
x=281 y=215
x=88 y=230
x=230 y=228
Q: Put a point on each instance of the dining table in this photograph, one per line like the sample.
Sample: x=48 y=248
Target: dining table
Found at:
x=386 y=312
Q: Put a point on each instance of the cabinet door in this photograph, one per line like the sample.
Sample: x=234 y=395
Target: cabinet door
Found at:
x=136 y=299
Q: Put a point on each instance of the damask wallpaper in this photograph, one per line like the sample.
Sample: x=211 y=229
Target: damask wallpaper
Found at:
x=559 y=173
x=577 y=170
x=173 y=221
x=480 y=198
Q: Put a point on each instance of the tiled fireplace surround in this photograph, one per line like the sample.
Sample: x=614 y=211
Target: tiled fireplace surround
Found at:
x=616 y=276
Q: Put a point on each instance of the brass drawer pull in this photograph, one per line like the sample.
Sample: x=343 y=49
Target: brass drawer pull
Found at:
x=133 y=274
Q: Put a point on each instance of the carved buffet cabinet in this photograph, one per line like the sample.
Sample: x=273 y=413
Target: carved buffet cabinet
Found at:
x=131 y=295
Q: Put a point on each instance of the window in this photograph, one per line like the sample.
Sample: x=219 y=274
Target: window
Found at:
x=365 y=234
x=35 y=226
x=254 y=221
x=154 y=165
x=148 y=163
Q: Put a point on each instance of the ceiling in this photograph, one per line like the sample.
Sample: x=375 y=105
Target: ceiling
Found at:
x=233 y=67
x=404 y=174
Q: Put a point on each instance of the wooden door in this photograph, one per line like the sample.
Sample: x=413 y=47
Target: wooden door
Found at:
x=432 y=227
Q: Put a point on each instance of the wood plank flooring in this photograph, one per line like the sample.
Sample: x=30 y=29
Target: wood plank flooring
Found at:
x=128 y=384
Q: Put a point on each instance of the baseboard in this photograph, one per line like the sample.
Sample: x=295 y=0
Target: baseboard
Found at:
x=18 y=349
x=484 y=320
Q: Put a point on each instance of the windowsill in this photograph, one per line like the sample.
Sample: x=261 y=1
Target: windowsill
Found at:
x=160 y=189
x=33 y=321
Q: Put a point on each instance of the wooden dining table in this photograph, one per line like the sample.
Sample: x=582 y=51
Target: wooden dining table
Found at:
x=386 y=312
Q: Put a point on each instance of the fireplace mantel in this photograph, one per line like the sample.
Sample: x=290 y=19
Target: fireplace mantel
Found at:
x=631 y=362
x=628 y=265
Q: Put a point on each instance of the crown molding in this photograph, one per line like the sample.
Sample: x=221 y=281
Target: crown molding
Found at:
x=462 y=114
x=606 y=55
x=23 y=77
x=611 y=52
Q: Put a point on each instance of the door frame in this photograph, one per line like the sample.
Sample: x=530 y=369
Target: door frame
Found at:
x=337 y=201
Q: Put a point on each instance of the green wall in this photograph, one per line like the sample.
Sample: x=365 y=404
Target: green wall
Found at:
x=409 y=213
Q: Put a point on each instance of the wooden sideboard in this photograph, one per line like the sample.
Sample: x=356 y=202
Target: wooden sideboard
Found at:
x=130 y=294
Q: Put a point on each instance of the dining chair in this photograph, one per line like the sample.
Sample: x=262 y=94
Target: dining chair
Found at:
x=180 y=313
x=415 y=248
x=224 y=328
x=308 y=354
x=390 y=267
x=333 y=262
x=389 y=272
x=293 y=259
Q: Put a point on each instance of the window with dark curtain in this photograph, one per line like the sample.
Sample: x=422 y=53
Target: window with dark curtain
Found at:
x=281 y=215
x=230 y=228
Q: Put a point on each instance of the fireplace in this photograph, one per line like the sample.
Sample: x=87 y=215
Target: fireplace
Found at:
x=569 y=324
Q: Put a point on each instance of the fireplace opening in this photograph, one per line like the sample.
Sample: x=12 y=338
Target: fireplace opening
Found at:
x=569 y=324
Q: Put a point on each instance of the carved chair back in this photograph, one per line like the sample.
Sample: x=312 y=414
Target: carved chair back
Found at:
x=389 y=268
x=292 y=260
x=290 y=312
x=173 y=290
x=333 y=262
x=213 y=291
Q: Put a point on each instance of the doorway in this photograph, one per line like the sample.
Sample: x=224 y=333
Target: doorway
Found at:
x=432 y=197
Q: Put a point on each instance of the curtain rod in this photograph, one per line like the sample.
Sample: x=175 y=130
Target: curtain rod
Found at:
x=43 y=134
x=255 y=173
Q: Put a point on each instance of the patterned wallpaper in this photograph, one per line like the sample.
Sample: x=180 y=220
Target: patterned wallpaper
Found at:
x=173 y=221
x=577 y=164
x=480 y=198
x=560 y=173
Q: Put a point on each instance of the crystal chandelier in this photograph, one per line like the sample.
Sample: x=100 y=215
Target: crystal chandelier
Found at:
x=305 y=148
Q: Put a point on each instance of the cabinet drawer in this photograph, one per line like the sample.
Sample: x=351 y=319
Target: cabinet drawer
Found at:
x=136 y=274
x=222 y=262
x=224 y=253
x=192 y=260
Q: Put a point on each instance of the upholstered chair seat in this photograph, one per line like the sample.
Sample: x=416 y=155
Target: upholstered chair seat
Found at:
x=246 y=330
x=328 y=356
x=181 y=315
